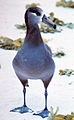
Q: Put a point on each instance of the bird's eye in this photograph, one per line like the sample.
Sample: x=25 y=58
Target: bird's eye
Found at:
x=38 y=14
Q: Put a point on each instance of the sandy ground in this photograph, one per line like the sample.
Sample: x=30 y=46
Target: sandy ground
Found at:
x=60 y=90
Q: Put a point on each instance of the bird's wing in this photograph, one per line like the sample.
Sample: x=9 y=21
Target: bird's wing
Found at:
x=48 y=49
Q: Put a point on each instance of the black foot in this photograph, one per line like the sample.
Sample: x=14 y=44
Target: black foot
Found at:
x=44 y=113
x=22 y=110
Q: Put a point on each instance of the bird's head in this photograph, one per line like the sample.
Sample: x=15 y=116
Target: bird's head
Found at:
x=36 y=15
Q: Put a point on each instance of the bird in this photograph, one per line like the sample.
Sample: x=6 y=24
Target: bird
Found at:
x=34 y=59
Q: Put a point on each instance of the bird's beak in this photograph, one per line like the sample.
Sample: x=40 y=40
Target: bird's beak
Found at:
x=48 y=22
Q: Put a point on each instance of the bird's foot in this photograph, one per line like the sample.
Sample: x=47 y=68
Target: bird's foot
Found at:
x=23 y=109
x=44 y=113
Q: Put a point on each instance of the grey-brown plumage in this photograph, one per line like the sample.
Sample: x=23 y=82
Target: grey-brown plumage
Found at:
x=34 y=59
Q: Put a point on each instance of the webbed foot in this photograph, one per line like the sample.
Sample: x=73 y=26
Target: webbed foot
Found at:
x=22 y=110
x=44 y=113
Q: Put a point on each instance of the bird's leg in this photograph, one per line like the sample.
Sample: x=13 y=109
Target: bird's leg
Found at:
x=24 y=92
x=24 y=108
x=46 y=99
x=44 y=113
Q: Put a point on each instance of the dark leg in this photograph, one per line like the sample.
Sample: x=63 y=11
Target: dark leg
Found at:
x=24 y=108
x=46 y=99
x=24 y=93
x=44 y=113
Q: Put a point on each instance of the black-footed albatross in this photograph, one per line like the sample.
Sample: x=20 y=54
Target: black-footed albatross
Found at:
x=34 y=58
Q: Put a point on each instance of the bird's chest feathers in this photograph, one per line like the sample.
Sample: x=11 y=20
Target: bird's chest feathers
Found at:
x=33 y=57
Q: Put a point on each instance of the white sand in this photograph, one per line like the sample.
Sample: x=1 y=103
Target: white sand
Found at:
x=60 y=90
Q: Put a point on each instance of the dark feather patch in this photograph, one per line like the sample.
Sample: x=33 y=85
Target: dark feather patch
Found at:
x=35 y=10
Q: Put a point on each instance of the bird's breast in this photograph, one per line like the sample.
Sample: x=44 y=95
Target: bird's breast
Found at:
x=33 y=63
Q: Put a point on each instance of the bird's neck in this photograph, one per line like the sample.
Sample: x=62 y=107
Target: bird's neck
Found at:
x=33 y=34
